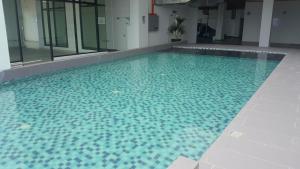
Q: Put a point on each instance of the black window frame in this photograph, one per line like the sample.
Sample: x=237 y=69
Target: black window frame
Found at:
x=54 y=23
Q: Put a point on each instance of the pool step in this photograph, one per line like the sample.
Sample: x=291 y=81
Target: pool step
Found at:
x=184 y=163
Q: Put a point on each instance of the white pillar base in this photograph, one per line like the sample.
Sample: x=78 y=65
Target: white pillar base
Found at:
x=266 y=23
x=220 y=21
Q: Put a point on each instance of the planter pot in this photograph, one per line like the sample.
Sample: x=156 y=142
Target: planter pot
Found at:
x=175 y=40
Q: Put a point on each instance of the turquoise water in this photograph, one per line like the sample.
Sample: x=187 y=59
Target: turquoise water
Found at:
x=137 y=113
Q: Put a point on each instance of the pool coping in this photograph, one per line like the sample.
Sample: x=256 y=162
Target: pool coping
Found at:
x=20 y=72
x=265 y=134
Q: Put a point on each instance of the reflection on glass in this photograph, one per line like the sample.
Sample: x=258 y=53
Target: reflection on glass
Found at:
x=102 y=27
x=88 y=26
x=50 y=28
x=60 y=27
x=64 y=29
x=221 y=23
x=32 y=43
x=11 y=22
x=45 y=23
x=59 y=21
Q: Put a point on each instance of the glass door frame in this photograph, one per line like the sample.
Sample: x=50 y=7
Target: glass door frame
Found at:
x=41 y=9
x=53 y=9
x=74 y=2
x=16 y=6
x=94 y=4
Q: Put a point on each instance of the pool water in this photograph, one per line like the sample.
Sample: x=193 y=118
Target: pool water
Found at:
x=137 y=113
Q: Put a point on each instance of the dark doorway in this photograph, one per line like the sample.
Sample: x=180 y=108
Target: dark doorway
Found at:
x=222 y=23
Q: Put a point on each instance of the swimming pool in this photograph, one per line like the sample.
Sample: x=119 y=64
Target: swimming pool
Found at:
x=139 y=112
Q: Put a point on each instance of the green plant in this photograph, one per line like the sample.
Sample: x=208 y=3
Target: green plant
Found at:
x=177 y=29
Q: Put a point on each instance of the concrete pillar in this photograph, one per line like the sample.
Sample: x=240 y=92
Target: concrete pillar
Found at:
x=143 y=20
x=220 y=21
x=4 y=52
x=266 y=23
x=133 y=29
x=138 y=29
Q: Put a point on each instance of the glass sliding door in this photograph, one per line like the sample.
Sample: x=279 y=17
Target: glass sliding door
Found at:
x=57 y=23
x=33 y=46
x=93 y=24
x=64 y=29
x=45 y=22
x=102 y=24
x=40 y=30
x=12 y=29
x=88 y=25
x=57 y=26
x=60 y=24
x=22 y=22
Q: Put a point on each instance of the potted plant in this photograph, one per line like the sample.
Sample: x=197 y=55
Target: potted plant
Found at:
x=176 y=29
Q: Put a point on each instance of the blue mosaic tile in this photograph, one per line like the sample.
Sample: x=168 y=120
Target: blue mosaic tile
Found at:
x=137 y=113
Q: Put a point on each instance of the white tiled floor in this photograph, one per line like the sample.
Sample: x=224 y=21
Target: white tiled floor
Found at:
x=269 y=123
x=182 y=162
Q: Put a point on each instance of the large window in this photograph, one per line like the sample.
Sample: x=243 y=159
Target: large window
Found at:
x=58 y=12
x=93 y=22
x=58 y=28
x=40 y=30
x=88 y=20
x=102 y=26
x=12 y=29
x=58 y=23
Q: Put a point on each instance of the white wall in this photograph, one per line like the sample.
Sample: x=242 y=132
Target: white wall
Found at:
x=134 y=28
x=143 y=12
x=252 y=21
x=120 y=11
x=4 y=56
x=191 y=25
x=285 y=28
x=232 y=26
x=138 y=28
x=161 y=36
x=266 y=23
x=166 y=17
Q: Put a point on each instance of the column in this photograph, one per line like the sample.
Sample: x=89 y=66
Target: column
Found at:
x=133 y=29
x=4 y=52
x=220 y=21
x=138 y=29
x=266 y=23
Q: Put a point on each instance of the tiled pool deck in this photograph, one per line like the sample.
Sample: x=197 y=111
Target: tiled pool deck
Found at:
x=266 y=133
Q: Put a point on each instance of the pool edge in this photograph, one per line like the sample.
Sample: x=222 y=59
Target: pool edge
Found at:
x=20 y=72
x=258 y=143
